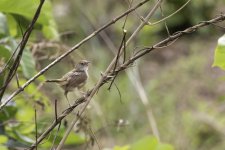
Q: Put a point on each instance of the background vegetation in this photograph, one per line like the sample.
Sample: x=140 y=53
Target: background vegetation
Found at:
x=184 y=93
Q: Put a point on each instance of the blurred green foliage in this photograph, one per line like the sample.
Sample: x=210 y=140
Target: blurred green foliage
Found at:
x=20 y=12
x=148 y=142
x=219 y=56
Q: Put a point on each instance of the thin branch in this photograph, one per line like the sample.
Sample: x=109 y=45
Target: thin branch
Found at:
x=9 y=60
x=119 y=51
x=71 y=50
x=56 y=134
x=118 y=56
x=154 y=23
x=17 y=80
x=36 y=128
x=14 y=52
x=218 y=26
x=171 y=38
x=92 y=134
x=125 y=21
x=150 y=14
x=124 y=48
x=119 y=93
x=56 y=116
x=56 y=119
x=167 y=29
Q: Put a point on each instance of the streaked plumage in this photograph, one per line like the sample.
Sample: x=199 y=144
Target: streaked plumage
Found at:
x=76 y=78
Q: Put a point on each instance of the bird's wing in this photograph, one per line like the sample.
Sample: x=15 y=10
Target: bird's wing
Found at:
x=70 y=75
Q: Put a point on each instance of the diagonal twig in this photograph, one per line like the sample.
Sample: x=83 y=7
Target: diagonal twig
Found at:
x=123 y=43
x=36 y=127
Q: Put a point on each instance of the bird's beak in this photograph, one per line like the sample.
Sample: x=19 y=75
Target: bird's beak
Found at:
x=88 y=62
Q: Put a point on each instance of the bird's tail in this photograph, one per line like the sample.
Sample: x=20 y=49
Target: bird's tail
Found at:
x=54 y=80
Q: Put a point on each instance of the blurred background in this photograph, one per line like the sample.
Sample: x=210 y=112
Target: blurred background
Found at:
x=171 y=96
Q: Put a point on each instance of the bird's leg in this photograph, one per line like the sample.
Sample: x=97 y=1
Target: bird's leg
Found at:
x=81 y=87
x=66 y=93
x=81 y=91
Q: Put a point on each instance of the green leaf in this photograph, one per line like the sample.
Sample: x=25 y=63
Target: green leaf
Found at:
x=26 y=128
x=164 y=147
x=15 y=143
x=27 y=8
x=8 y=112
x=23 y=138
x=25 y=113
x=12 y=24
x=50 y=32
x=3 y=147
x=28 y=64
x=10 y=43
x=75 y=139
x=148 y=142
x=5 y=52
x=27 y=61
x=3 y=139
x=219 y=56
x=127 y=147
x=4 y=56
x=3 y=25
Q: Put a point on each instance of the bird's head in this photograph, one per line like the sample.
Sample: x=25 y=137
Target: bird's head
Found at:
x=83 y=65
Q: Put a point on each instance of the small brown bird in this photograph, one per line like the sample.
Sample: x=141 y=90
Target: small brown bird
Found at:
x=76 y=78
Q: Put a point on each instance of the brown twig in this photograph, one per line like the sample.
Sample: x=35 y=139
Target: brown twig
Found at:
x=165 y=24
x=117 y=57
x=56 y=119
x=167 y=17
x=119 y=50
x=36 y=128
x=17 y=80
x=120 y=95
x=124 y=48
x=55 y=136
x=56 y=112
x=216 y=25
